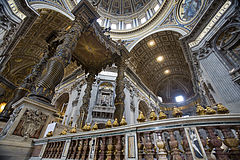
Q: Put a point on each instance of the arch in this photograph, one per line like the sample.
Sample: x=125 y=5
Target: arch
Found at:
x=61 y=102
x=143 y=107
x=176 y=29
x=41 y=5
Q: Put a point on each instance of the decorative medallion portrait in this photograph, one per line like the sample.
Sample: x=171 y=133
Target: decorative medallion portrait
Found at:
x=188 y=9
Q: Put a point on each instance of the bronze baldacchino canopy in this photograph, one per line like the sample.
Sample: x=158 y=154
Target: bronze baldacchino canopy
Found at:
x=86 y=42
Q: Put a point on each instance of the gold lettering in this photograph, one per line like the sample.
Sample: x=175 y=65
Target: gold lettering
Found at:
x=209 y=26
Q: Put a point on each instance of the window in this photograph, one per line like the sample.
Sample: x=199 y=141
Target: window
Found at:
x=143 y=20
x=179 y=98
x=160 y=99
x=128 y=26
x=156 y=8
x=113 y=26
x=99 y=21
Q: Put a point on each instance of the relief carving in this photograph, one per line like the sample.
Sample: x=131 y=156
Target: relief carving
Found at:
x=31 y=124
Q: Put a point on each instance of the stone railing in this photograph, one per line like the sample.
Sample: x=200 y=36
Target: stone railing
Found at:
x=196 y=137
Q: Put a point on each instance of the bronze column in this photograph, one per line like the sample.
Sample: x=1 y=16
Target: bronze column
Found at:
x=86 y=99
x=28 y=83
x=119 y=100
x=44 y=89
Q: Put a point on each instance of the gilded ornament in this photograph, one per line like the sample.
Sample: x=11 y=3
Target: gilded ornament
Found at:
x=221 y=109
x=115 y=123
x=141 y=117
x=73 y=130
x=176 y=112
x=50 y=134
x=123 y=121
x=108 y=124
x=64 y=132
x=85 y=127
x=162 y=115
x=95 y=127
x=153 y=116
x=200 y=110
x=209 y=110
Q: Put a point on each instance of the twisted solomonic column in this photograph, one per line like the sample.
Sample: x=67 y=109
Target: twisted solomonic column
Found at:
x=86 y=99
x=44 y=89
x=120 y=96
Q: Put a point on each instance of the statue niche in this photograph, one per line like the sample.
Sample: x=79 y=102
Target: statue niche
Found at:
x=105 y=94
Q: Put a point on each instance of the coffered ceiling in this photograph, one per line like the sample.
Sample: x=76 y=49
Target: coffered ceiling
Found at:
x=168 y=75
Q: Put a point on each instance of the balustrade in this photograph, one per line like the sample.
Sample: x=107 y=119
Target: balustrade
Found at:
x=211 y=137
x=54 y=150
